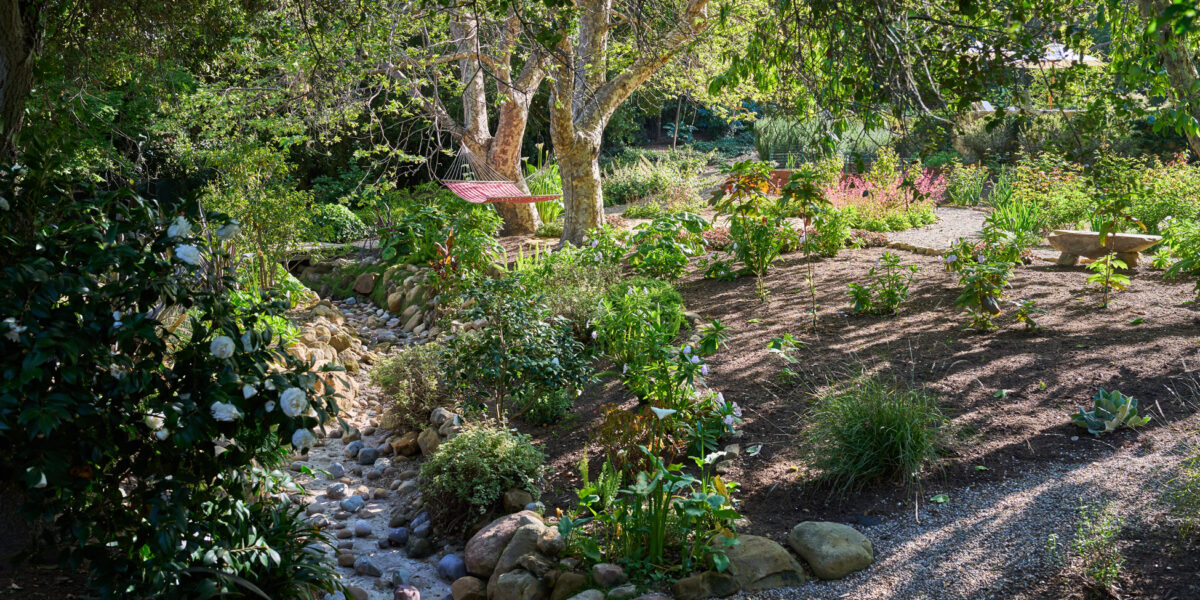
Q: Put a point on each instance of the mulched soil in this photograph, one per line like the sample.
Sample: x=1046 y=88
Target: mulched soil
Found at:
x=1146 y=344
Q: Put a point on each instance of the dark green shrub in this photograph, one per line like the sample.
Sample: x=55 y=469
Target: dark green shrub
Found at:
x=522 y=354
x=337 y=224
x=469 y=474
x=410 y=383
x=123 y=359
x=659 y=293
x=873 y=429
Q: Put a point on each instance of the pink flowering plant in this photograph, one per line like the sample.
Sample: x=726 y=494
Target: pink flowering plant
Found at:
x=140 y=412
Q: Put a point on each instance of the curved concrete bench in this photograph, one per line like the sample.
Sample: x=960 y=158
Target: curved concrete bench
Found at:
x=1074 y=244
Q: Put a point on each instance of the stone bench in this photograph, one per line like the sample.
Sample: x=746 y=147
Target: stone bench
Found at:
x=1074 y=244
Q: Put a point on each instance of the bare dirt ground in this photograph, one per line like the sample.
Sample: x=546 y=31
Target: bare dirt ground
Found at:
x=1008 y=396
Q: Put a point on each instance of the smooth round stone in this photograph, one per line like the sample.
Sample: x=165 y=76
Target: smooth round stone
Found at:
x=346 y=545
x=422 y=530
x=367 y=456
x=362 y=528
x=352 y=503
x=344 y=534
x=336 y=470
x=353 y=448
x=336 y=491
x=374 y=474
x=451 y=567
x=398 y=536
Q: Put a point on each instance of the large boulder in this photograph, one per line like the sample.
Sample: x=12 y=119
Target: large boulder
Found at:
x=522 y=545
x=516 y=499
x=365 y=283
x=757 y=563
x=483 y=550
x=519 y=585
x=833 y=550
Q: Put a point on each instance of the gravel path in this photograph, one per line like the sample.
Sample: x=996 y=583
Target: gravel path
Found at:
x=952 y=223
x=990 y=541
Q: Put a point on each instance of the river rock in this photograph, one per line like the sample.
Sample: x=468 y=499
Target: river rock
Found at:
x=519 y=585
x=365 y=566
x=709 y=584
x=365 y=283
x=567 y=585
x=367 y=456
x=451 y=567
x=515 y=500
x=832 y=550
x=609 y=575
x=406 y=592
x=428 y=441
x=757 y=563
x=468 y=588
x=483 y=550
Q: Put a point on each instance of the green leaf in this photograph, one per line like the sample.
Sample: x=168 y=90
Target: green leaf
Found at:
x=940 y=499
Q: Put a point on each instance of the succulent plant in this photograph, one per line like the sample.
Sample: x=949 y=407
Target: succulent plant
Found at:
x=1110 y=412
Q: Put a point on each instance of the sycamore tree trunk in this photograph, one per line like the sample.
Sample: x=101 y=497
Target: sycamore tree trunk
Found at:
x=583 y=99
x=20 y=40
x=477 y=59
x=1175 y=55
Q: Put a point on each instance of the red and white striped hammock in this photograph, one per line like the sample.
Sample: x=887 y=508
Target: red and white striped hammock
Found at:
x=475 y=181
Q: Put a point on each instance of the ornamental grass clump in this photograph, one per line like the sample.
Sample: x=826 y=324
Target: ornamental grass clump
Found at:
x=873 y=429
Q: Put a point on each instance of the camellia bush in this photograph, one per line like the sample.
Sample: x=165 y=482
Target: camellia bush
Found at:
x=141 y=413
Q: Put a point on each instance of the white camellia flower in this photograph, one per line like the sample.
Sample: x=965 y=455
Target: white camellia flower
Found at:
x=222 y=411
x=179 y=228
x=188 y=254
x=248 y=391
x=221 y=346
x=662 y=413
x=303 y=439
x=154 y=421
x=270 y=405
x=162 y=434
x=14 y=330
x=293 y=402
x=229 y=230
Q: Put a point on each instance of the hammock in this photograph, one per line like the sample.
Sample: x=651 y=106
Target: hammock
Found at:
x=474 y=181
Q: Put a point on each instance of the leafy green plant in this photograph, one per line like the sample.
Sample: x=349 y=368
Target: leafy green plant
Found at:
x=522 y=354
x=1161 y=260
x=1105 y=275
x=1110 y=411
x=1096 y=545
x=1183 y=236
x=570 y=282
x=433 y=222
x=663 y=513
x=983 y=289
x=662 y=247
x=965 y=184
x=470 y=472
x=636 y=322
x=336 y=223
x=1025 y=313
x=410 y=386
x=887 y=289
x=871 y=429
